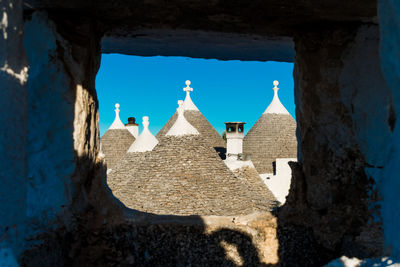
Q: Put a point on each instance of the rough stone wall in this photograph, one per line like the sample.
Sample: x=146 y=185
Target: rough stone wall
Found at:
x=256 y=187
x=14 y=122
x=164 y=241
x=131 y=161
x=272 y=136
x=343 y=114
x=330 y=201
x=268 y=17
x=389 y=21
x=114 y=144
x=63 y=119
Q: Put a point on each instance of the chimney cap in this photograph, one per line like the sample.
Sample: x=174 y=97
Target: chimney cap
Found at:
x=235 y=126
x=235 y=122
x=131 y=121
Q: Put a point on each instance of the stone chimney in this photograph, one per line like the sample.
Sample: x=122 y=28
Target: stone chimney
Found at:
x=132 y=127
x=234 y=138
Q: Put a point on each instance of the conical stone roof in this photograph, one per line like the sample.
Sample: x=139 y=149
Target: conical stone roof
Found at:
x=197 y=119
x=116 y=141
x=183 y=176
x=272 y=136
x=254 y=184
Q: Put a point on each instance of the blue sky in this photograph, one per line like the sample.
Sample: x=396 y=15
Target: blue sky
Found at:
x=222 y=90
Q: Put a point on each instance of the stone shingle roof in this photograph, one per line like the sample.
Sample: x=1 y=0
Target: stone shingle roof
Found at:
x=114 y=145
x=259 y=191
x=272 y=136
x=183 y=176
x=201 y=124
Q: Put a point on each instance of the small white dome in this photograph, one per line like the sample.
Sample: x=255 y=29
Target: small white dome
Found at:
x=181 y=125
x=146 y=140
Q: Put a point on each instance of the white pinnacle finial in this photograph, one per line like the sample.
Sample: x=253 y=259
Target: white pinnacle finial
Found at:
x=188 y=89
x=180 y=104
x=181 y=125
x=188 y=104
x=145 y=122
x=146 y=140
x=276 y=106
x=117 y=124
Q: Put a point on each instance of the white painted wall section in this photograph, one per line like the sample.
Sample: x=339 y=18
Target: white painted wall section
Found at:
x=234 y=146
x=133 y=129
x=279 y=183
x=234 y=139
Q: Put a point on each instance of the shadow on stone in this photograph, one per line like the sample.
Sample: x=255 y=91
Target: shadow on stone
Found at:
x=221 y=152
x=105 y=233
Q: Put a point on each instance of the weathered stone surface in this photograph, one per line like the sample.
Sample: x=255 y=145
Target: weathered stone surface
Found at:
x=272 y=136
x=184 y=176
x=63 y=120
x=163 y=241
x=14 y=125
x=259 y=192
x=241 y=30
x=114 y=144
x=389 y=26
x=332 y=193
x=241 y=16
x=200 y=44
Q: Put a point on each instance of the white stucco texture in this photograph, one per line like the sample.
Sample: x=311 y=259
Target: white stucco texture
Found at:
x=117 y=123
x=279 y=184
x=146 y=140
x=276 y=107
x=181 y=125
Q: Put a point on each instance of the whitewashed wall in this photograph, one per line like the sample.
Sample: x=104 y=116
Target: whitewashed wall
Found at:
x=279 y=183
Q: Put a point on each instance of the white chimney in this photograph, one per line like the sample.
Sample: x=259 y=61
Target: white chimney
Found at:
x=234 y=139
x=132 y=127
